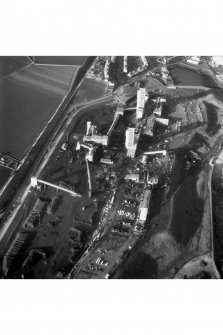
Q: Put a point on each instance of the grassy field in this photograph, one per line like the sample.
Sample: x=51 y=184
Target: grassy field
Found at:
x=90 y=89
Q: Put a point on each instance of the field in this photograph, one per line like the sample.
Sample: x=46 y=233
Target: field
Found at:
x=60 y=60
x=90 y=89
x=10 y=64
x=29 y=98
x=100 y=115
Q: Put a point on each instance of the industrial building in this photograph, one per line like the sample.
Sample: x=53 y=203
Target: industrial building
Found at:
x=163 y=152
x=141 y=95
x=100 y=139
x=175 y=126
x=193 y=60
x=132 y=176
x=145 y=63
x=148 y=130
x=158 y=111
x=130 y=142
x=144 y=207
x=162 y=121
x=120 y=110
x=130 y=137
x=125 y=64
x=152 y=180
x=106 y=161
x=106 y=69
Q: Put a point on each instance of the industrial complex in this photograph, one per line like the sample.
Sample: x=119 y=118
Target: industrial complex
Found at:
x=118 y=182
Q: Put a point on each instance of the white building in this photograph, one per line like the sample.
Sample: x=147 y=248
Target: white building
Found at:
x=144 y=159
x=101 y=139
x=106 y=161
x=191 y=61
x=152 y=180
x=88 y=127
x=129 y=137
x=120 y=110
x=162 y=121
x=163 y=152
x=132 y=176
x=143 y=214
x=106 y=69
x=125 y=64
x=130 y=142
x=144 y=207
x=145 y=63
x=90 y=156
x=141 y=95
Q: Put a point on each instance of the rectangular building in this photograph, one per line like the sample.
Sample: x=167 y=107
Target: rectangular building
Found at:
x=125 y=64
x=141 y=95
x=106 y=161
x=130 y=142
x=144 y=207
x=132 y=176
x=100 y=139
x=163 y=121
x=149 y=126
x=106 y=69
x=129 y=137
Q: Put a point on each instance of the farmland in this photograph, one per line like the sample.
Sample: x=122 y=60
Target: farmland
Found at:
x=60 y=60
x=10 y=64
x=31 y=96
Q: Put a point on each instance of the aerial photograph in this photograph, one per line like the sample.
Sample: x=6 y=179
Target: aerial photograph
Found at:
x=111 y=167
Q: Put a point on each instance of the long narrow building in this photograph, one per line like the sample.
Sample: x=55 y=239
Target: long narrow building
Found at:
x=141 y=96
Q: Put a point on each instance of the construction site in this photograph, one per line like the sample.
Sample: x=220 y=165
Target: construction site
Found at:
x=127 y=192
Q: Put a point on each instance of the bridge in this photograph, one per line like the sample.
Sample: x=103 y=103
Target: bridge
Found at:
x=89 y=179
x=113 y=124
x=35 y=182
x=188 y=87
